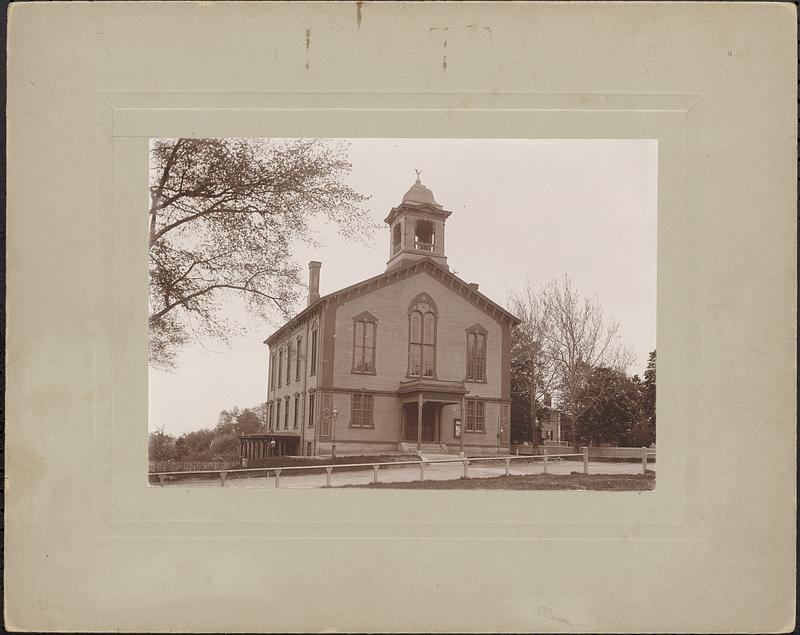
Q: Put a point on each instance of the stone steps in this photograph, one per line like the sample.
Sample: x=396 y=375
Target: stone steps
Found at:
x=425 y=448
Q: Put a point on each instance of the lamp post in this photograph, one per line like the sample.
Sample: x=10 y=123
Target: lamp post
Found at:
x=333 y=434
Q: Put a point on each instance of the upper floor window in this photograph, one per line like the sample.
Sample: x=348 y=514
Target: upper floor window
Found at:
x=422 y=337
x=297 y=361
x=424 y=235
x=364 y=329
x=280 y=366
x=272 y=371
x=476 y=416
x=361 y=411
x=313 y=362
x=476 y=353
x=296 y=411
x=286 y=414
x=277 y=414
x=288 y=362
x=269 y=416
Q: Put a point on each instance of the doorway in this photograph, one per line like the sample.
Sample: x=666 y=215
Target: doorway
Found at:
x=429 y=418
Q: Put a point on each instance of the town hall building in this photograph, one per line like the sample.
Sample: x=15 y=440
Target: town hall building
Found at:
x=411 y=360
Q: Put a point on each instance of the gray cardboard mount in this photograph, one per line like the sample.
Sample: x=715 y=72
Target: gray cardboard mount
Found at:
x=88 y=547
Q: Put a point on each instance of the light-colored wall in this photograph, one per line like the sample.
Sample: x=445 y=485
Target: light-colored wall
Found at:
x=390 y=305
x=304 y=385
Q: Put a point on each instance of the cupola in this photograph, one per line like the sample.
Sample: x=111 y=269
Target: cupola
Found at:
x=416 y=227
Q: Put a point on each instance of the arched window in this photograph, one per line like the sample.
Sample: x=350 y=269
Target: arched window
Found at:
x=424 y=235
x=476 y=353
x=365 y=327
x=422 y=337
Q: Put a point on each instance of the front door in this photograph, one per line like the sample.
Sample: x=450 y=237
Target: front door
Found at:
x=428 y=422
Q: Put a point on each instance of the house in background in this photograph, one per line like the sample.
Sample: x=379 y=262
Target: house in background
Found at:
x=413 y=359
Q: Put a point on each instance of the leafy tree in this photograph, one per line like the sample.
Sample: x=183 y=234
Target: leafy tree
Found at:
x=194 y=446
x=645 y=432
x=161 y=446
x=609 y=408
x=563 y=337
x=223 y=215
x=532 y=372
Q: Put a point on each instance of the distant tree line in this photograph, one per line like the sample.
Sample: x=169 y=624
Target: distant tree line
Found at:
x=220 y=443
x=566 y=354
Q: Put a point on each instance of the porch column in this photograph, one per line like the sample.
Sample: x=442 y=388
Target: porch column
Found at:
x=463 y=424
x=419 y=422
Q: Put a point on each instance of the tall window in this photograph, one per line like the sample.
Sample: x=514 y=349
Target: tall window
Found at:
x=272 y=371
x=314 y=351
x=269 y=417
x=288 y=362
x=476 y=416
x=297 y=361
x=286 y=414
x=422 y=337
x=312 y=399
x=278 y=414
x=296 y=411
x=476 y=353
x=364 y=328
x=361 y=411
x=280 y=366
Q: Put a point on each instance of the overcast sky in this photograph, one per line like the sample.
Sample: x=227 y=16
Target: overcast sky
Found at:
x=523 y=210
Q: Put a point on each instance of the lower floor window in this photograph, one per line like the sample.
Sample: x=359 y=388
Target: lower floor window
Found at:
x=476 y=416
x=312 y=401
x=361 y=411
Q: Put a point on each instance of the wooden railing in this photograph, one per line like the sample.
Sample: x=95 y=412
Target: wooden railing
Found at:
x=422 y=463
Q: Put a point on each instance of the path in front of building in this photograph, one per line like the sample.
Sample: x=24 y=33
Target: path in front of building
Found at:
x=435 y=471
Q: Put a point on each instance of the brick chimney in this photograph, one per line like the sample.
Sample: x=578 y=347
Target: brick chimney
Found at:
x=313 y=281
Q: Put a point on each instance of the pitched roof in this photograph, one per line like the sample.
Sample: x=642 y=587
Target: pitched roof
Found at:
x=388 y=277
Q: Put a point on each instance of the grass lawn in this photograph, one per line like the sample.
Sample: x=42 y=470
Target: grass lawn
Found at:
x=574 y=481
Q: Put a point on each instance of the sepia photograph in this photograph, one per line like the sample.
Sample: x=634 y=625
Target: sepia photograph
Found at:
x=424 y=291
x=403 y=313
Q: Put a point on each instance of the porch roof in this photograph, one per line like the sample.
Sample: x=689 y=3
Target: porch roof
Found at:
x=433 y=389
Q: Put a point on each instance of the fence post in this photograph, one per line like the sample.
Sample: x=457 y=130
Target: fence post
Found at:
x=508 y=463
x=545 y=462
x=644 y=460
x=161 y=478
x=328 y=469
x=277 y=479
x=375 y=473
x=222 y=476
x=466 y=471
x=585 y=459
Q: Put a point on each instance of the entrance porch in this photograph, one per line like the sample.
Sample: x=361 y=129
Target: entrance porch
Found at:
x=422 y=403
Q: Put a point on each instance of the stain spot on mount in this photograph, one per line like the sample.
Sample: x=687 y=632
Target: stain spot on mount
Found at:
x=358 y=13
x=308 y=46
x=444 y=62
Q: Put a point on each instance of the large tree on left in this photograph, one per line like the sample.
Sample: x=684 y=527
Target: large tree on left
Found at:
x=224 y=214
